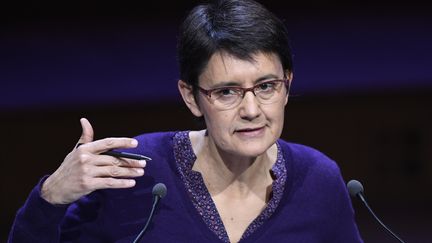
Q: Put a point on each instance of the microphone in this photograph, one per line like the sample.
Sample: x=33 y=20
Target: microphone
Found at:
x=159 y=191
x=355 y=189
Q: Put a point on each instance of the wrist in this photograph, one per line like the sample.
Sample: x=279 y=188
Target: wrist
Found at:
x=46 y=192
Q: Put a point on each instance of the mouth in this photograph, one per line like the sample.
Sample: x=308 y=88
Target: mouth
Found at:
x=250 y=131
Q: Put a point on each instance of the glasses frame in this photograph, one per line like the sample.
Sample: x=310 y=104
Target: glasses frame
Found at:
x=208 y=92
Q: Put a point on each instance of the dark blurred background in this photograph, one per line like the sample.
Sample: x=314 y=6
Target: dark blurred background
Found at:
x=362 y=92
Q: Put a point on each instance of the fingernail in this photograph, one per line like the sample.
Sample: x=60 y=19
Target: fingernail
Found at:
x=139 y=171
x=134 y=142
x=142 y=163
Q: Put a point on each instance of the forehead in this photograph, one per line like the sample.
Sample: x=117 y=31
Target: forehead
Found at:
x=223 y=67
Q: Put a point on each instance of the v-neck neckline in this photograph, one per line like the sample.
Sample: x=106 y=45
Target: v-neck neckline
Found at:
x=201 y=198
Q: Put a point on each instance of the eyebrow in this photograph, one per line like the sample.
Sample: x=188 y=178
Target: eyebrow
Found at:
x=236 y=84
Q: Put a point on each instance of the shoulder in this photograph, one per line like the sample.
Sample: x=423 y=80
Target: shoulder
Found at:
x=154 y=138
x=315 y=185
x=152 y=142
x=311 y=171
x=159 y=146
x=303 y=157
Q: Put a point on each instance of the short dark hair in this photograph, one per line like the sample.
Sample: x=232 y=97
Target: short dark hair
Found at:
x=238 y=27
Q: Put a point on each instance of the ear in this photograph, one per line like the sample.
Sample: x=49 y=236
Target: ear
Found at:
x=289 y=76
x=186 y=92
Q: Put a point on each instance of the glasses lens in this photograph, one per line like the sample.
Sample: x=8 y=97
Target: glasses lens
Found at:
x=229 y=97
x=269 y=92
x=226 y=97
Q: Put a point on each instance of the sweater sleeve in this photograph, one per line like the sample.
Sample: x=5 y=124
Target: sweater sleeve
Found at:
x=37 y=220
x=319 y=196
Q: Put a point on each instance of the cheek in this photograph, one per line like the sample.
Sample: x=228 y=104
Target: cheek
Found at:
x=219 y=125
x=218 y=122
x=276 y=110
x=276 y=115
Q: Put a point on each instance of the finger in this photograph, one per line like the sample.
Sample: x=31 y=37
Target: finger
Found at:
x=100 y=146
x=87 y=131
x=105 y=183
x=102 y=160
x=115 y=172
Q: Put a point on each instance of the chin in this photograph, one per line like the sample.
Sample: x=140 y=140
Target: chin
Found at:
x=253 y=146
x=252 y=149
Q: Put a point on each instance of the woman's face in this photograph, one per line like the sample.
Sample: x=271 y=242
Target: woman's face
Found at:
x=250 y=128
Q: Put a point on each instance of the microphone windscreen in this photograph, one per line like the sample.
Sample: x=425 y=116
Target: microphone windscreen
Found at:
x=354 y=187
x=159 y=190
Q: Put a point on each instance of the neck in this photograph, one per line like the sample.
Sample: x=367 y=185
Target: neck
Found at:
x=237 y=168
x=224 y=172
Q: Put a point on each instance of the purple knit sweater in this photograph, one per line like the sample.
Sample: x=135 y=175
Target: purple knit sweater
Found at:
x=314 y=205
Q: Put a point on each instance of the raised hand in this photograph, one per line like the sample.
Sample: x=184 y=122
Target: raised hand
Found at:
x=84 y=170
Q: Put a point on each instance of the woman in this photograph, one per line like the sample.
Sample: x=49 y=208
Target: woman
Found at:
x=234 y=181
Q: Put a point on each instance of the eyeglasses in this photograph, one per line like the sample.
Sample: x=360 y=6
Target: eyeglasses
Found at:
x=267 y=92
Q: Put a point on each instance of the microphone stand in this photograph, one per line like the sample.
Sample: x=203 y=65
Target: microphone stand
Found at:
x=356 y=189
x=360 y=195
x=159 y=191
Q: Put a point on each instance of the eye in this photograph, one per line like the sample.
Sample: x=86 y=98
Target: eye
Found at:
x=225 y=92
x=266 y=86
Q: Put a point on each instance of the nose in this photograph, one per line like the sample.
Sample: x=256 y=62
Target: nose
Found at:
x=249 y=107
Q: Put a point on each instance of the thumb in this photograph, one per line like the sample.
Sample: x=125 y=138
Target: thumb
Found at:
x=87 y=131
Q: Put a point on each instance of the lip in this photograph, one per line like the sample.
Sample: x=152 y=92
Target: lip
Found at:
x=249 y=129
x=250 y=132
